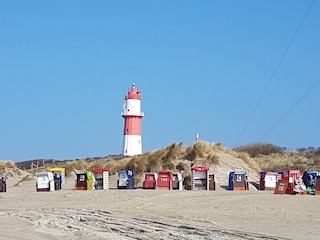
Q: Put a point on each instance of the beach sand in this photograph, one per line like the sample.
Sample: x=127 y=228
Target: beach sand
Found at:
x=154 y=214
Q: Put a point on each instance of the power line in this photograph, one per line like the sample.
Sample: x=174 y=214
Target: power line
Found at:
x=274 y=73
x=290 y=110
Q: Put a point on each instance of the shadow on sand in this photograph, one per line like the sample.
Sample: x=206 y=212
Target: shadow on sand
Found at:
x=256 y=185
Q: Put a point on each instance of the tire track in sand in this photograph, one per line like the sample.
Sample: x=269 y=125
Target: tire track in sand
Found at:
x=103 y=225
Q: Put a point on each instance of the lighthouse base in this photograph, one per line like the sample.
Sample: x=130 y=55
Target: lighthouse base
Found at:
x=132 y=145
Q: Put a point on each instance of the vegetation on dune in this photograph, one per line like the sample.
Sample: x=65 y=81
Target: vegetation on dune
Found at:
x=107 y=163
x=176 y=157
x=256 y=149
x=10 y=170
x=203 y=153
x=155 y=161
x=27 y=177
x=251 y=162
x=288 y=160
x=274 y=158
x=6 y=164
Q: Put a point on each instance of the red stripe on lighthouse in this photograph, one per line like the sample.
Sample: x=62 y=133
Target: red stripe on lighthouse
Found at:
x=132 y=125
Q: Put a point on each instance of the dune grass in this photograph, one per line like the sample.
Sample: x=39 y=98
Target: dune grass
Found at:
x=270 y=157
x=27 y=177
x=5 y=165
x=256 y=149
x=178 y=158
x=286 y=161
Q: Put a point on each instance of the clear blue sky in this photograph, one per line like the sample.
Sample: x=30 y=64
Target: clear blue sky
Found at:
x=202 y=66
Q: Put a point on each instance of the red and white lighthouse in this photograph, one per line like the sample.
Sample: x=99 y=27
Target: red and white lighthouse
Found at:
x=132 y=142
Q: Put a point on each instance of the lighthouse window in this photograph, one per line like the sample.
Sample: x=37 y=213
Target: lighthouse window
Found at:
x=127 y=130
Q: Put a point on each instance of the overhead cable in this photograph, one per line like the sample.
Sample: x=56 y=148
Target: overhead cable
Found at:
x=290 y=110
x=274 y=73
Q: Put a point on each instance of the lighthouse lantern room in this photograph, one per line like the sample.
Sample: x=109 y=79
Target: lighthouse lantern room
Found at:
x=132 y=142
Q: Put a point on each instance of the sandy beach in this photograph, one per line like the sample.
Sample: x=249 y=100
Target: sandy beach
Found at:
x=151 y=214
